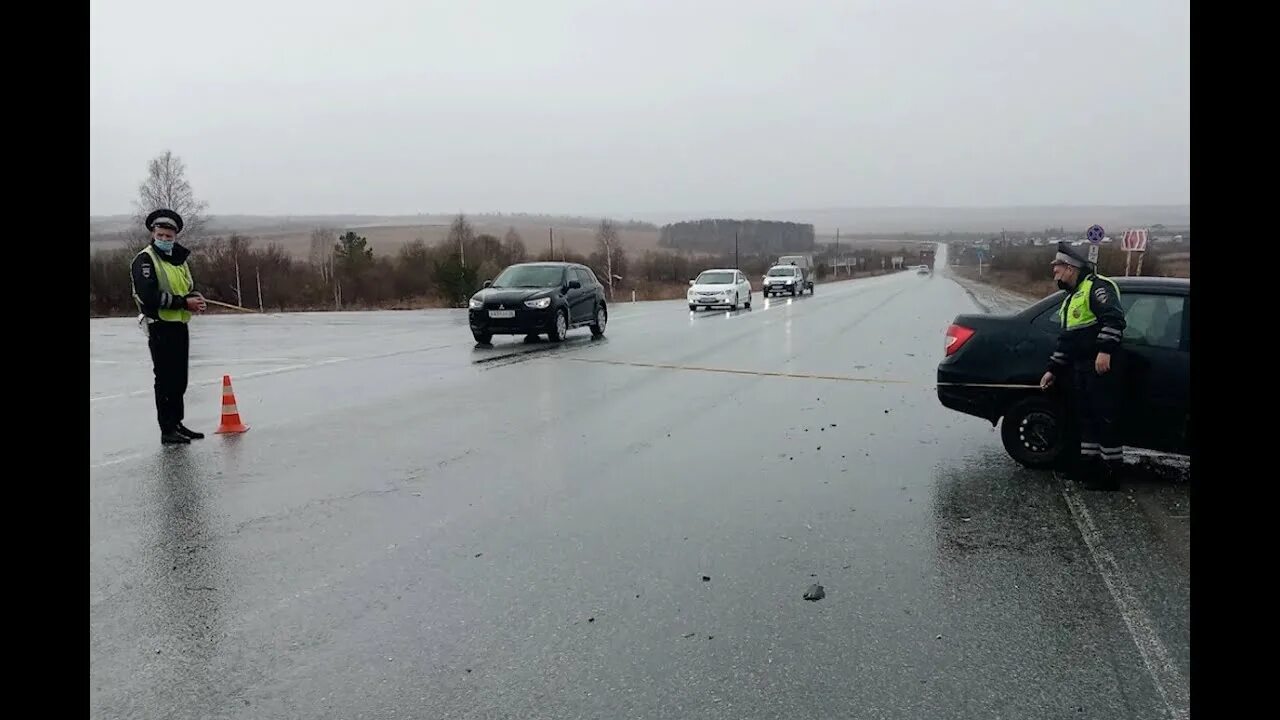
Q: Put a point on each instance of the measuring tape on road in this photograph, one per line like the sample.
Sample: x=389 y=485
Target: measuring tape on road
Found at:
x=1006 y=386
x=798 y=376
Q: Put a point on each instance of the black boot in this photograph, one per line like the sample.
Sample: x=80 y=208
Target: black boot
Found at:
x=173 y=437
x=188 y=432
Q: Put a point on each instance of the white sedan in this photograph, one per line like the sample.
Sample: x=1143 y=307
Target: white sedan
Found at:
x=720 y=288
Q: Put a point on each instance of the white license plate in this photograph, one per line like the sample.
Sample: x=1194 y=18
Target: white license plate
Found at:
x=500 y=314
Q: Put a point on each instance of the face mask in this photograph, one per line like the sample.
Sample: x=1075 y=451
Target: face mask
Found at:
x=1062 y=285
x=164 y=246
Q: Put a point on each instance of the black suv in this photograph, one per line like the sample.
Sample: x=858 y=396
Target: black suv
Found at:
x=1039 y=430
x=536 y=298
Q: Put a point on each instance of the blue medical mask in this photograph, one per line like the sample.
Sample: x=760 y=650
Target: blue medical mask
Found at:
x=164 y=246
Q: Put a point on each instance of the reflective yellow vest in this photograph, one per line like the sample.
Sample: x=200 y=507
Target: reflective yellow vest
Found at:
x=174 y=279
x=1075 y=312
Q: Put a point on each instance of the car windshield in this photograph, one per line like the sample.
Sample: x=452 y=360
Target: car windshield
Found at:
x=781 y=272
x=530 y=276
x=715 y=278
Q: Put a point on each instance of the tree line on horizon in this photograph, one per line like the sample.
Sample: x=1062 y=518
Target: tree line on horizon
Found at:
x=341 y=271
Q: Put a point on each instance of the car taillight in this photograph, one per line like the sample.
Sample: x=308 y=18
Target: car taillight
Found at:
x=957 y=336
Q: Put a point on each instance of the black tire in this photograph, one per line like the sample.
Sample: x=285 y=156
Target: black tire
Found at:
x=1037 y=433
x=602 y=319
x=482 y=338
x=562 y=328
x=748 y=305
x=693 y=308
x=793 y=292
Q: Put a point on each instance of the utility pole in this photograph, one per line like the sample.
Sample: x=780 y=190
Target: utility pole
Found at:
x=258 y=274
x=736 y=266
x=837 y=258
x=551 y=239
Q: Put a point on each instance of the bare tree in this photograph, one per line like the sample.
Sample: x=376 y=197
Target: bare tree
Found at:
x=461 y=234
x=321 y=255
x=607 y=238
x=167 y=186
x=513 y=246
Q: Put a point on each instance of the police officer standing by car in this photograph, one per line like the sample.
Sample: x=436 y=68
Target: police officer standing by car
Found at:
x=1092 y=324
x=164 y=292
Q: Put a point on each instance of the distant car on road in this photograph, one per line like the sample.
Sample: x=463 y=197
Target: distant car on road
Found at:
x=719 y=288
x=1039 y=429
x=806 y=265
x=784 y=280
x=922 y=269
x=536 y=298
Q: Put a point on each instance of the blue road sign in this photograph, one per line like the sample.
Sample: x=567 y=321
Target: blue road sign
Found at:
x=1096 y=233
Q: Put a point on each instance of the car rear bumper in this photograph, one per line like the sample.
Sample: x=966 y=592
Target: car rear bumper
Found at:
x=527 y=321
x=986 y=403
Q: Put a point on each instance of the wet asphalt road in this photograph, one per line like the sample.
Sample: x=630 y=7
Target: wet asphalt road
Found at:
x=418 y=528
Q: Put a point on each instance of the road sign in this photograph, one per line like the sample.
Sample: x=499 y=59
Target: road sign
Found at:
x=1093 y=254
x=1096 y=233
x=1134 y=241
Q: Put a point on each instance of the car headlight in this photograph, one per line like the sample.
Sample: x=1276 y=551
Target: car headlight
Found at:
x=791 y=282
x=475 y=304
x=539 y=304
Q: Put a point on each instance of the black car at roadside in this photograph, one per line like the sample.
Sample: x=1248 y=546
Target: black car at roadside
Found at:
x=1038 y=429
x=538 y=298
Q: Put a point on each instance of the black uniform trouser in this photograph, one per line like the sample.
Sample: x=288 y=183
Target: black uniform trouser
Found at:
x=1097 y=403
x=169 y=343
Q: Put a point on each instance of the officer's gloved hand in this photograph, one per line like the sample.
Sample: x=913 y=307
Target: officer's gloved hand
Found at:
x=196 y=303
x=1046 y=382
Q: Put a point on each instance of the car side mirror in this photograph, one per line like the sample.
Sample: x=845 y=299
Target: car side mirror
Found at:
x=575 y=285
x=691 y=282
x=487 y=283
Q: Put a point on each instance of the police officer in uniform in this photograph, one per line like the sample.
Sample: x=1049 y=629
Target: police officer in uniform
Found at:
x=1092 y=325
x=163 y=291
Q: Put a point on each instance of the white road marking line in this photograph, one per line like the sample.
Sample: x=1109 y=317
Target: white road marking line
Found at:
x=117 y=461
x=276 y=371
x=264 y=361
x=1168 y=680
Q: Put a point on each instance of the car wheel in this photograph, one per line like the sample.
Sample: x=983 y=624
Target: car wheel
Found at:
x=602 y=317
x=1037 y=434
x=737 y=300
x=748 y=305
x=482 y=338
x=562 y=328
x=693 y=308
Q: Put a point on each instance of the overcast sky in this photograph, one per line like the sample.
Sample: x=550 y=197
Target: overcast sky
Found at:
x=611 y=106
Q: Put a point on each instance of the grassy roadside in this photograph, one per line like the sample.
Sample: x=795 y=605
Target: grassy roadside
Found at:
x=1014 y=281
x=644 y=292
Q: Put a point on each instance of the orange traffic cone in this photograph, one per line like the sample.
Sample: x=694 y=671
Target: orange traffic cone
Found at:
x=231 y=422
